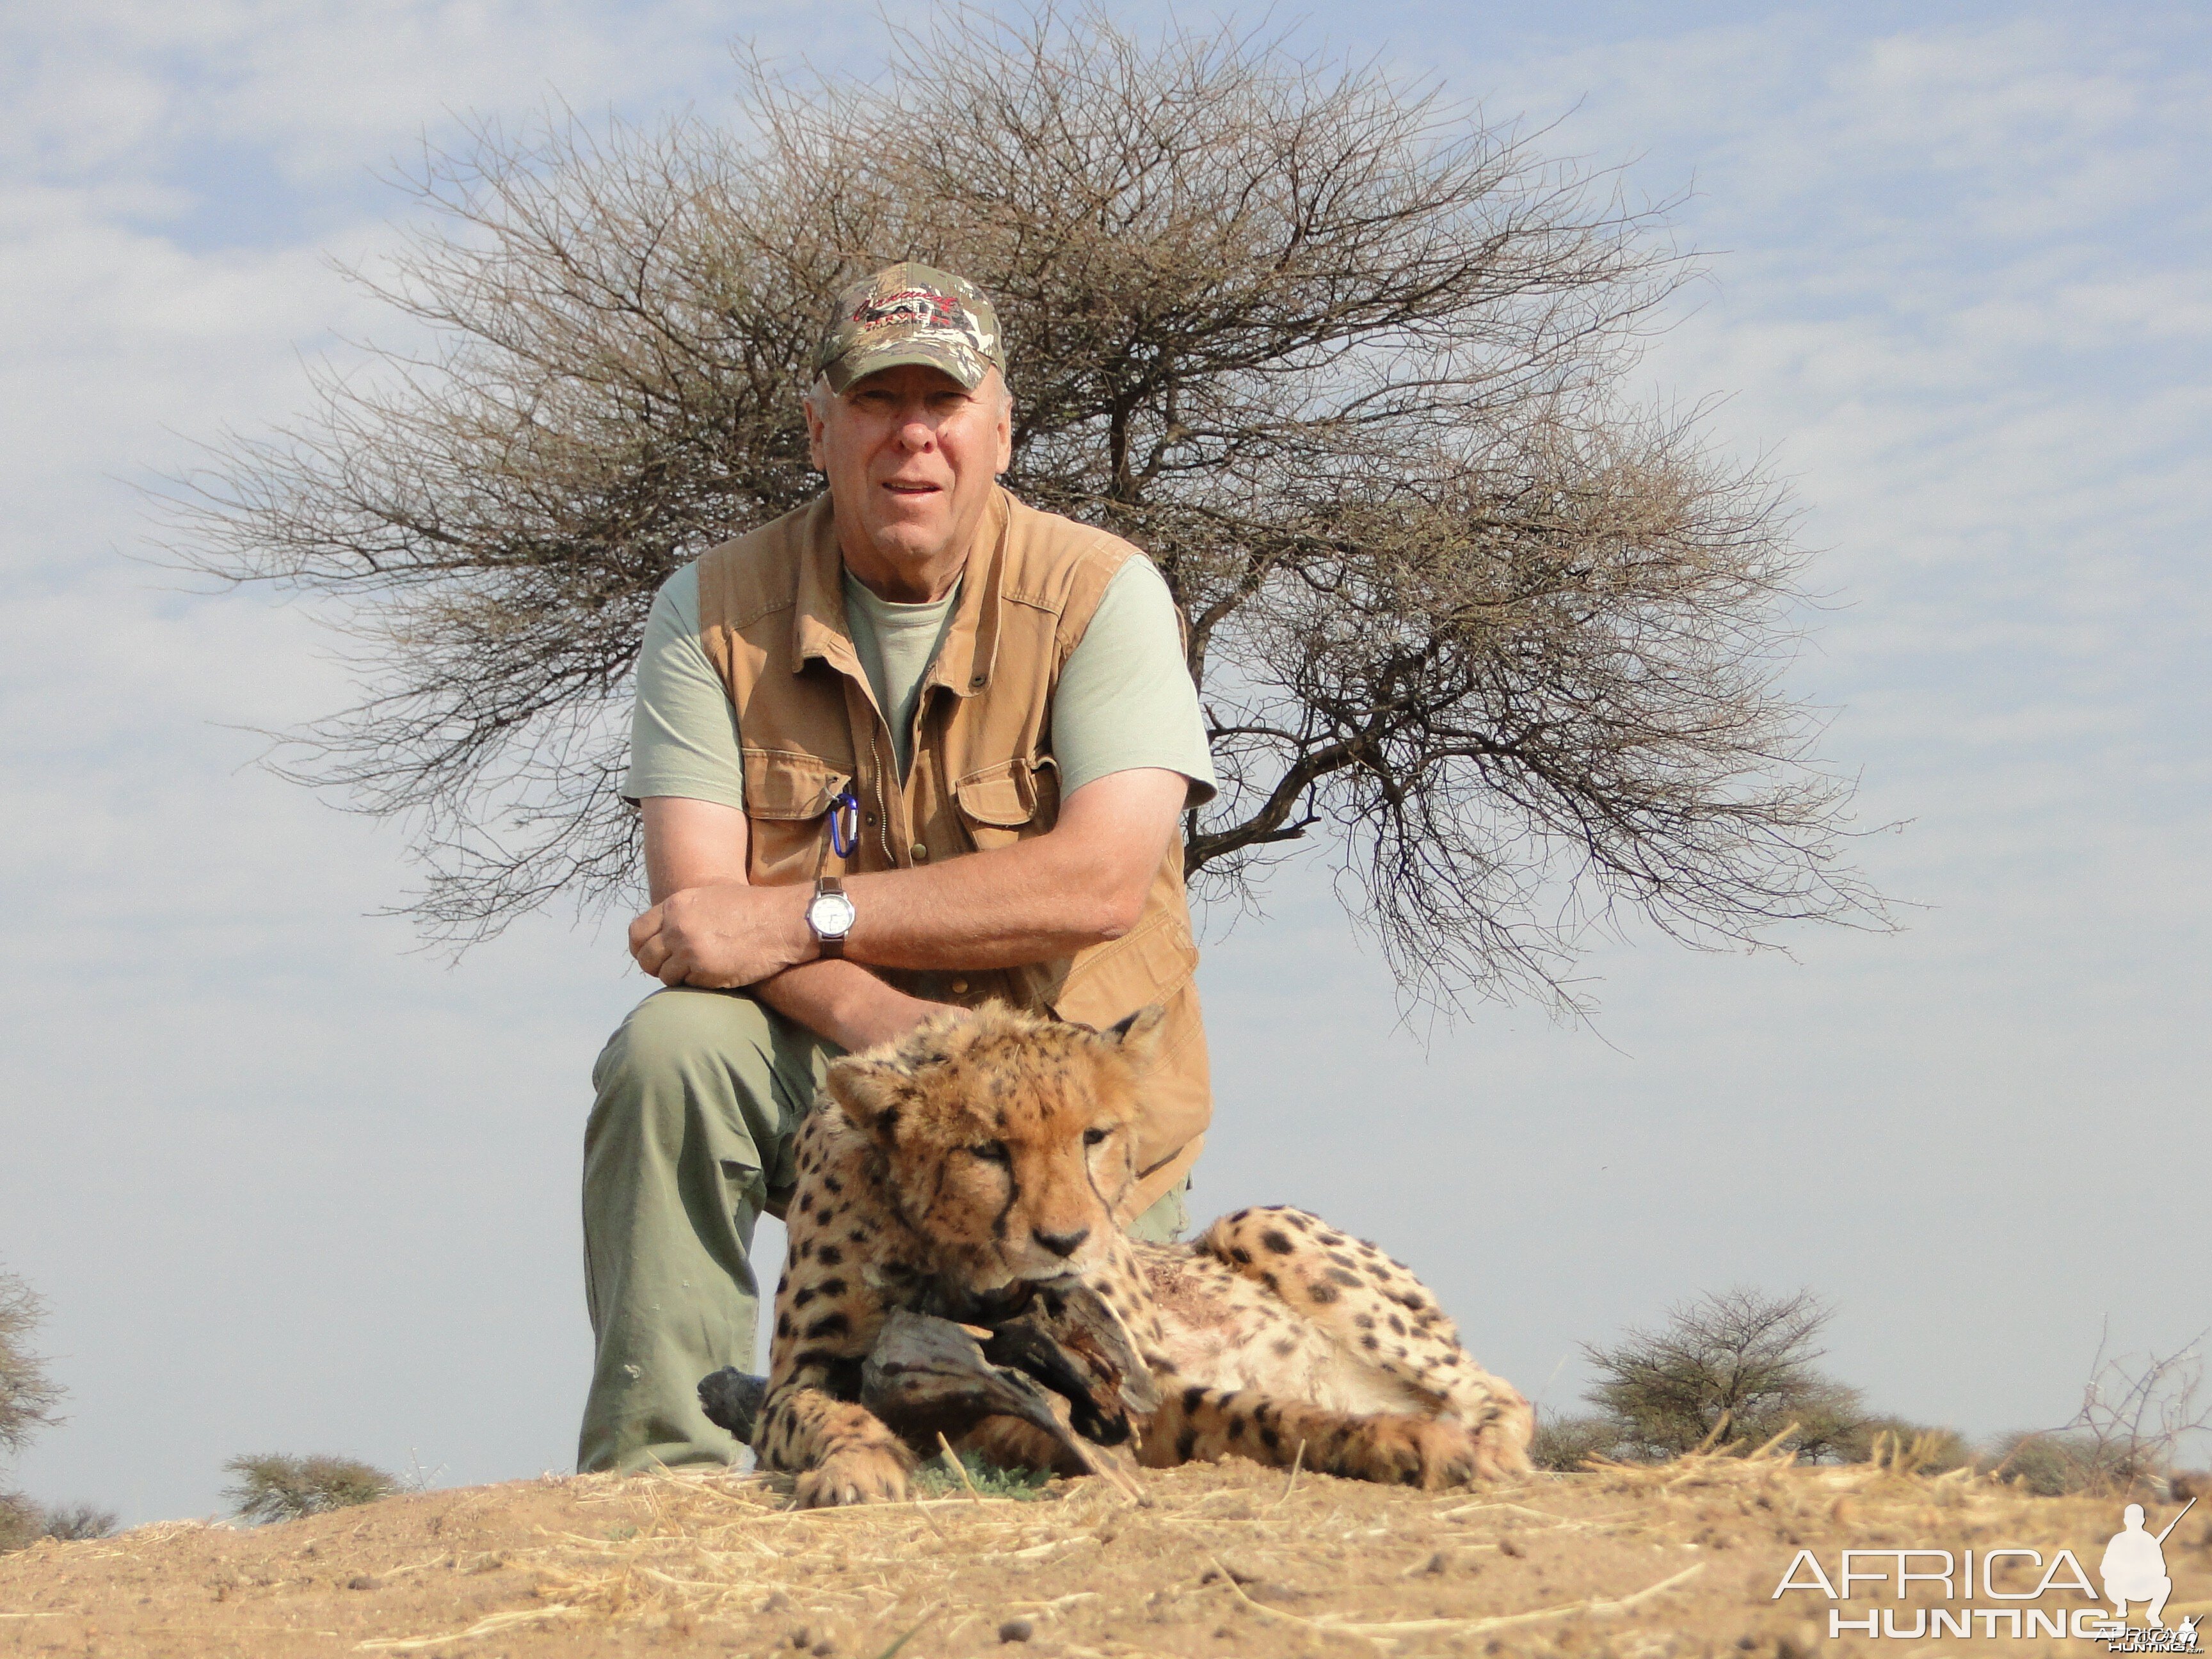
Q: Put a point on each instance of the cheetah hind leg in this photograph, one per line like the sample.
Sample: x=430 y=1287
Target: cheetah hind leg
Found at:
x=1198 y=1424
x=1382 y=1317
x=1008 y=1443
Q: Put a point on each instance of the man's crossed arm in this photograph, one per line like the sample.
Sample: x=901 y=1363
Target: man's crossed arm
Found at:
x=1082 y=883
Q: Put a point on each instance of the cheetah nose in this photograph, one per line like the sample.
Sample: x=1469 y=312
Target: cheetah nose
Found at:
x=1062 y=1244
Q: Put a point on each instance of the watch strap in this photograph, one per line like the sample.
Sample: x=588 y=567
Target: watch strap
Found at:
x=832 y=945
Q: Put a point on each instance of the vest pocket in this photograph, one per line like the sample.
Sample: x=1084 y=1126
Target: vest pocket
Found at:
x=998 y=804
x=787 y=798
x=1112 y=980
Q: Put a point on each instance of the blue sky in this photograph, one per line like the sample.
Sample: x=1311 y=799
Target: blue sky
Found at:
x=291 y=1185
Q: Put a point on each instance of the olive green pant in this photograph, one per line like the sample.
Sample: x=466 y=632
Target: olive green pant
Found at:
x=698 y=1096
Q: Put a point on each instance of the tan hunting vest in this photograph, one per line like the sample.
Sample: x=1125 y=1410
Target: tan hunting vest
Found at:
x=772 y=617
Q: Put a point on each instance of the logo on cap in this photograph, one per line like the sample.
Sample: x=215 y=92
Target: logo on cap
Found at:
x=911 y=313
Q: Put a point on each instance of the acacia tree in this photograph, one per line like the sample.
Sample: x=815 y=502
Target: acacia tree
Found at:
x=1348 y=363
x=1731 y=1367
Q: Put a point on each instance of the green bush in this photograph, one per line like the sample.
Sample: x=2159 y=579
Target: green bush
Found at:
x=2054 y=1465
x=274 y=1487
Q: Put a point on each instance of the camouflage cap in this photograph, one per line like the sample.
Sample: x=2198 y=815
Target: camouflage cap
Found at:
x=911 y=313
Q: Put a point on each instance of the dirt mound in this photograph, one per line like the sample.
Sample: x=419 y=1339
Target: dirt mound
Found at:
x=1228 y=1558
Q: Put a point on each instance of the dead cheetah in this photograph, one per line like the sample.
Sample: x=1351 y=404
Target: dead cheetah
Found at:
x=985 y=1154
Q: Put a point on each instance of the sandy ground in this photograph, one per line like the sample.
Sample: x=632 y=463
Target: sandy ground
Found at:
x=1227 y=1559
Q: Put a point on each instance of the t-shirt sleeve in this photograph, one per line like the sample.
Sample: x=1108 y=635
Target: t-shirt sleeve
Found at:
x=683 y=732
x=1125 y=699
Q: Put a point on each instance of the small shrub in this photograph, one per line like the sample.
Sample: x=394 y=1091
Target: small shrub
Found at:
x=936 y=1480
x=1564 y=1444
x=23 y=1523
x=274 y=1487
x=2055 y=1465
x=74 y=1522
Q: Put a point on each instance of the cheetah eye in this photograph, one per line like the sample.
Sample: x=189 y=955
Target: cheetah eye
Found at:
x=990 y=1151
x=1092 y=1137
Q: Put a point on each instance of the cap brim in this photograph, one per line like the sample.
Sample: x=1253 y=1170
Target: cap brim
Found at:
x=959 y=359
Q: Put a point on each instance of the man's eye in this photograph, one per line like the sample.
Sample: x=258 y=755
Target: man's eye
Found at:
x=990 y=1151
x=1092 y=1137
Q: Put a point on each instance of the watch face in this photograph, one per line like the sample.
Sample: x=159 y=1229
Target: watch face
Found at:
x=830 y=915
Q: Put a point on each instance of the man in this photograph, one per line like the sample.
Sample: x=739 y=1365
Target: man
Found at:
x=913 y=744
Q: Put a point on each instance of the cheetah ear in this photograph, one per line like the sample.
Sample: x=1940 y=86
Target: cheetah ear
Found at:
x=870 y=1093
x=1138 y=1035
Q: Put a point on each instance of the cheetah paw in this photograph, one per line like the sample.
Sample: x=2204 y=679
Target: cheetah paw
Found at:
x=1501 y=1445
x=1419 y=1452
x=866 y=1474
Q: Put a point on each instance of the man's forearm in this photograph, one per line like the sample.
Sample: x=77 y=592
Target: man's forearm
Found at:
x=844 y=1003
x=1003 y=909
x=1051 y=895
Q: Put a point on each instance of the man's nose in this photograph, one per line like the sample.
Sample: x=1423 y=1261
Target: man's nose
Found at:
x=1060 y=1244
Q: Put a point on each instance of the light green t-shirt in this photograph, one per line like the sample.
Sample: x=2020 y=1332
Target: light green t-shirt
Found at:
x=1125 y=699
x=895 y=644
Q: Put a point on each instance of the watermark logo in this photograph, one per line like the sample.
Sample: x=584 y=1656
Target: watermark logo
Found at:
x=2132 y=1569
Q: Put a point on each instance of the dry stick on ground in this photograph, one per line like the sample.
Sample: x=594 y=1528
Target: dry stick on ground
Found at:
x=952 y=1461
x=1390 y=1629
x=1291 y=1485
x=496 y=1623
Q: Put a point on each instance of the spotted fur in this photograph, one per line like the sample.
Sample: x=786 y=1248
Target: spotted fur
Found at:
x=989 y=1149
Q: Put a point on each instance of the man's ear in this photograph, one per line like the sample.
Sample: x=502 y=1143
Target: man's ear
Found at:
x=870 y=1092
x=1138 y=1035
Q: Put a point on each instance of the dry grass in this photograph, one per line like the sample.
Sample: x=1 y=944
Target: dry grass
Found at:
x=1646 y=1562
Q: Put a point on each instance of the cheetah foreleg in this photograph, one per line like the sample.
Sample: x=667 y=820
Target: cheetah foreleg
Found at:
x=1398 y=1449
x=841 y=1452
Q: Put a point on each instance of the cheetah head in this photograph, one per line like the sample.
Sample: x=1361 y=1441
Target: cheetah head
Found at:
x=1008 y=1138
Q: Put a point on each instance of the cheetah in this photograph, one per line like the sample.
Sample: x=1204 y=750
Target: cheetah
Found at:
x=986 y=1154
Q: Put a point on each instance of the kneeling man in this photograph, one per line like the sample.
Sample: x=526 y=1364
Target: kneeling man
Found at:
x=911 y=744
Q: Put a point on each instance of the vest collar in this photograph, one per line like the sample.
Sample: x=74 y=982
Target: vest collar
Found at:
x=819 y=628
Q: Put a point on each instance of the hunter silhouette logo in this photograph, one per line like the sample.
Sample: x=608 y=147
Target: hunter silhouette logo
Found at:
x=2133 y=1569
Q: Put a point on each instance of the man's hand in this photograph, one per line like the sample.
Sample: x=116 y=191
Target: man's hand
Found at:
x=723 y=935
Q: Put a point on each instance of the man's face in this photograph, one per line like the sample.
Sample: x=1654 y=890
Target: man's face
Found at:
x=910 y=455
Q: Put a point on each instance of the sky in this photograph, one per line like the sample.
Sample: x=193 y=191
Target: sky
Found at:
x=289 y=1182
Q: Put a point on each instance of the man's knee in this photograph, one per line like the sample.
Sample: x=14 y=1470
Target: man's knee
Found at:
x=673 y=1033
x=680 y=1052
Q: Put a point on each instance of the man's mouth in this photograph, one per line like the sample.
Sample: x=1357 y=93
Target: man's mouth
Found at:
x=896 y=488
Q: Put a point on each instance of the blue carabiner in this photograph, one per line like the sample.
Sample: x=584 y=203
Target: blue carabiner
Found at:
x=845 y=823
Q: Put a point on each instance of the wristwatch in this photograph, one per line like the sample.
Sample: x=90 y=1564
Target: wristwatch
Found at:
x=829 y=914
